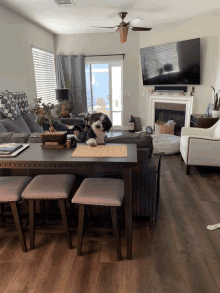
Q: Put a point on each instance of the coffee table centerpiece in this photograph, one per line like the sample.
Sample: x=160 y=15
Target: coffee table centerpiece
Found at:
x=43 y=114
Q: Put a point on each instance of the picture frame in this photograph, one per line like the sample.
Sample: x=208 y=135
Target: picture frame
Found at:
x=209 y=109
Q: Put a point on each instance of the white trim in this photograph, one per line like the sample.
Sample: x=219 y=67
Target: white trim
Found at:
x=187 y=100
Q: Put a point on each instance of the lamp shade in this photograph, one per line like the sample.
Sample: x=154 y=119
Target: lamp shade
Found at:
x=62 y=94
x=123 y=31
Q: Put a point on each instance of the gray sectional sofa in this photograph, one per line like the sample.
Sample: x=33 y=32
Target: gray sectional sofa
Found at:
x=24 y=129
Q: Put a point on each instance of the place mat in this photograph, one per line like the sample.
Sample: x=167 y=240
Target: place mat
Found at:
x=101 y=151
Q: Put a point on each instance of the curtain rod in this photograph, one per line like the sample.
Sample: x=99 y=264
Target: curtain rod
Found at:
x=106 y=55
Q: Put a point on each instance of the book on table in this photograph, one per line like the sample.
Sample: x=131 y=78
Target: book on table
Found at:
x=9 y=148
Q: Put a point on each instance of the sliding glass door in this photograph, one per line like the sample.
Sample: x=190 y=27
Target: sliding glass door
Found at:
x=104 y=89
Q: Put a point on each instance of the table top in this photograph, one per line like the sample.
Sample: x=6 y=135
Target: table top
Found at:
x=36 y=154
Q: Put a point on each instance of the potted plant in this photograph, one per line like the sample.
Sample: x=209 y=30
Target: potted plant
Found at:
x=43 y=114
x=63 y=108
x=216 y=109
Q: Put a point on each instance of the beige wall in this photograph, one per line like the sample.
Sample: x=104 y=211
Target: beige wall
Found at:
x=109 y=43
x=205 y=27
x=16 y=63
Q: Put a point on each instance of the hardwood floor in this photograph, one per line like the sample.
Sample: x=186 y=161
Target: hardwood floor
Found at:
x=177 y=255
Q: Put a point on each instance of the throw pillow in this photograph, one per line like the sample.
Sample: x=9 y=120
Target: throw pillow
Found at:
x=18 y=125
x=2 y=128
x=33 y=126
x=8 y=105
x=22 y=102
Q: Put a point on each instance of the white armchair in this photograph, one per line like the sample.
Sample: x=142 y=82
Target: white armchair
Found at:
x=200 y=146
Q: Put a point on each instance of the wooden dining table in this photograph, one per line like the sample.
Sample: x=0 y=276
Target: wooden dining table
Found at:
x=37 y=158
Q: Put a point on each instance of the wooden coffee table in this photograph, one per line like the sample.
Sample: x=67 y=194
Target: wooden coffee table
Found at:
x=35 y=157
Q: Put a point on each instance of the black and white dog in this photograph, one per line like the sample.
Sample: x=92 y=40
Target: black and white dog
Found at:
x=98 y=125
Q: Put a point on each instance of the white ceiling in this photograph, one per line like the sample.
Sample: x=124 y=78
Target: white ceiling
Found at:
x=87 y=13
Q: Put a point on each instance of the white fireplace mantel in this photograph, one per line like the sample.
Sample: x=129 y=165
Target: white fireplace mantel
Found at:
x=187 y=100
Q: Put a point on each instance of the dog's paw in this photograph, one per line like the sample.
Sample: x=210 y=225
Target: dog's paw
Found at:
x=91 y=142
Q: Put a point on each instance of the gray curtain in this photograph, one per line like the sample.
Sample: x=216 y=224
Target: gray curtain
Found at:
x=71 y=74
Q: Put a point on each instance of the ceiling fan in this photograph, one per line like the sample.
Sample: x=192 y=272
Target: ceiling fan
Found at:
x=123 y=27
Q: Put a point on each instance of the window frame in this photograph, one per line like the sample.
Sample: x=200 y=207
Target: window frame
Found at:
x=109 y=61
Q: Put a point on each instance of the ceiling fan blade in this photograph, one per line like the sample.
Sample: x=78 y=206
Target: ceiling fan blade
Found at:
x=140 y=29
x=134 y=21
x=105 y=27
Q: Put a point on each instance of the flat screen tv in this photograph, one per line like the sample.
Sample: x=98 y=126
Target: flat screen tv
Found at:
x=173 y=63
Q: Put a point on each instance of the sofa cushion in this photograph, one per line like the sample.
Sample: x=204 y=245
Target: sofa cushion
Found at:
x=34 y=137
x=33 y=126
x=18 y=125
x=7 y=137
x=141 y=139
x=2 y=128
x=8 y=105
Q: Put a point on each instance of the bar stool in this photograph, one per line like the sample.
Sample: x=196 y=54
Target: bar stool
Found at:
x=49 y=187
x=107 y=192
x=11 y=188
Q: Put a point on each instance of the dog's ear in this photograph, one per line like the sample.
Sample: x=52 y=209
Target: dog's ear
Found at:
x=94 y=117
x=107 y=124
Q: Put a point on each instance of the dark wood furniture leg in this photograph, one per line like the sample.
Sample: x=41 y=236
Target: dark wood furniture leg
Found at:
x=15 y=212
x=116 y=231
x=127 y=176
x=31 y=203
x=188 y=167
x=2 y=213
x=62 y=204
x=80 y=228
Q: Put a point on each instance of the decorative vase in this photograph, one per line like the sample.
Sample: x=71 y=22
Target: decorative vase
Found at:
x=216 y=113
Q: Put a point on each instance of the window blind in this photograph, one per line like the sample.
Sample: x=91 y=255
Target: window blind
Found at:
x=45 y=79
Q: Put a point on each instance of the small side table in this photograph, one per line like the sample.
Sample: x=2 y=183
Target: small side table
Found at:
x=202 y=121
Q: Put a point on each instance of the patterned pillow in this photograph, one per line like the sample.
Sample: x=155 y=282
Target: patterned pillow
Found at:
x=8 y=105
x=22 y=102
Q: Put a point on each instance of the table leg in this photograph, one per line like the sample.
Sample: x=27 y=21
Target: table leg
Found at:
x=127 y=176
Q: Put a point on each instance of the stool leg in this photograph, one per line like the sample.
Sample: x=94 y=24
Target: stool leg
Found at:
x=80 y=228
x=15 y=211
x=116 y=232
x=31 y=203
x=62 y=205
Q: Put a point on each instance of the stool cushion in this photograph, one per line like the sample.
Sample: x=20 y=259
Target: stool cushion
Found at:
x=49 y=186
x=100 y=191
x=11 y=187
x=166 y=143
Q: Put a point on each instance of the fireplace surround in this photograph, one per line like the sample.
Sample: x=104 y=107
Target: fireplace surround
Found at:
x=182 y=103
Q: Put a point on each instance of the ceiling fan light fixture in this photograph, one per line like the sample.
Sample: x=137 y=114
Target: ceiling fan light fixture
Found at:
x=123 y=31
